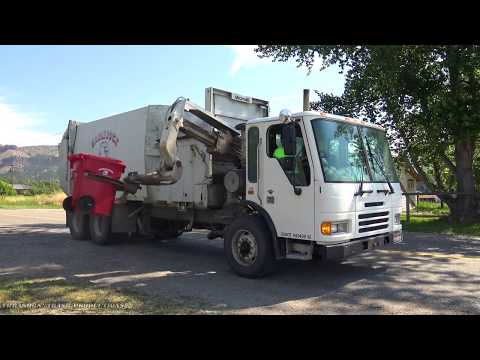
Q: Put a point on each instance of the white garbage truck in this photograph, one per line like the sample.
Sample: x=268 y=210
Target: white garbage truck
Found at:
x=283 y=186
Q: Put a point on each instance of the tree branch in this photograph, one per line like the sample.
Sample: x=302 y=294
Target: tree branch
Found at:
x=448 y=162
x=413 y=162
x=416 y=165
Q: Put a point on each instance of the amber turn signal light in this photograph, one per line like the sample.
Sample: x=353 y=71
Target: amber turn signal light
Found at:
x=326 y=228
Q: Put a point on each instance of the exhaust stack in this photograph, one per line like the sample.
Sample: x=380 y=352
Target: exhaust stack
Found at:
x=306 y=99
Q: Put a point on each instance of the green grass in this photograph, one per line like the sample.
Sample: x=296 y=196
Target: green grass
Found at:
x=431 y=208
x=52 y=296
x=438 y=224
x=44 y=201
x=429 y=217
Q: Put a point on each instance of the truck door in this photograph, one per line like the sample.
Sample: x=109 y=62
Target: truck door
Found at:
x=292 y=212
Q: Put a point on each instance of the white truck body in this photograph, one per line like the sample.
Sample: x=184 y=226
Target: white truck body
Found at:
x=132 y=137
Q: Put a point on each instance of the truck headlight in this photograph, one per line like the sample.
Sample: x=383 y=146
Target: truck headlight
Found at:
x=397 y=219
x=328 y=228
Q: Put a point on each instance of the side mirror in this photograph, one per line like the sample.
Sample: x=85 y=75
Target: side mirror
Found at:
x=289 y=135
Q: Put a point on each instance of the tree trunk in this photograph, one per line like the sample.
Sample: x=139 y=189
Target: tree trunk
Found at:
x=465 y=207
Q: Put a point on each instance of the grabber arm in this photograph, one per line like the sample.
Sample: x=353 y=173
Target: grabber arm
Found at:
x=223 y=139
x=170 y=169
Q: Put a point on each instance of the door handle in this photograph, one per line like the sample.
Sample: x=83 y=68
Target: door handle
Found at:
x=270 y=198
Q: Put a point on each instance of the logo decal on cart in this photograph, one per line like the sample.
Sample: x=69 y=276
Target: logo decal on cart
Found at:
x=105 y=171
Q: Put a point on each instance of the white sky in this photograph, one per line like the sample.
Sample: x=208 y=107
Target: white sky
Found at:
x=21 y=128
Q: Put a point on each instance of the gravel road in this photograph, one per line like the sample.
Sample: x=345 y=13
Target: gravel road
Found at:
x=426 y=274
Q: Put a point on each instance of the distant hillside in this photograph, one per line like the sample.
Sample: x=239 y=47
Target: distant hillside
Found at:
x=29 y=162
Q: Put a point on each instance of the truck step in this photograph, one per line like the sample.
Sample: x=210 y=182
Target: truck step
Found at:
x=214 y=234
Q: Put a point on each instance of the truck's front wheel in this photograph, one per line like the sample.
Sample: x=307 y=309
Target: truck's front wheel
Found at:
x=100 y=229
x=248 y=247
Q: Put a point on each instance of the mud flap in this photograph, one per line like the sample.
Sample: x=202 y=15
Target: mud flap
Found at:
x=124 y=218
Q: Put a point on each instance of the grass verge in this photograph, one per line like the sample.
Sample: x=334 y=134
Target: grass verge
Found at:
x=438 y=224
x=44 y=201
x=55 y=296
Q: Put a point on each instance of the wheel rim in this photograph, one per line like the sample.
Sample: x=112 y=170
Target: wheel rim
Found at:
x=244 y=247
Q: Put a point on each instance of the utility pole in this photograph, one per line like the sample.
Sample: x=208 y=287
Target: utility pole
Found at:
x=306 y=100
x=11 y=170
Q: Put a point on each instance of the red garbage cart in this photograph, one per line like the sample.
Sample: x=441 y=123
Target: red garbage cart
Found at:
x=102 y=193
x=94 y=182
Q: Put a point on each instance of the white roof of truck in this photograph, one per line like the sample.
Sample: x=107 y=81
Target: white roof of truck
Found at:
x=321 y=115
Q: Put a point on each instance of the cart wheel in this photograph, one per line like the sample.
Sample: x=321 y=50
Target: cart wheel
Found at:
x=100 y=229
x=78 y=224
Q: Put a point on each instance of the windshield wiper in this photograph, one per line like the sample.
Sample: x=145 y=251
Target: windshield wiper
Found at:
x=360 y=189
x=380 y=166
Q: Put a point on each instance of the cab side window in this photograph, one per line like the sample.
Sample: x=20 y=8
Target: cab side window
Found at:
x=300 y=173
x=253 y=139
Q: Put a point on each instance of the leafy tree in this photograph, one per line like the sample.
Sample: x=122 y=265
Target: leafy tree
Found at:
x=427 y=97
x=6 y=188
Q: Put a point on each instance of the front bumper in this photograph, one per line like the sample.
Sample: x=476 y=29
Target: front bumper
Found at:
x=340 y=251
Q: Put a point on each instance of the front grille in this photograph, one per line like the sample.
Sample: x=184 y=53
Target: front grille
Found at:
x=370 y=204
x=380 y=223
x=370 y=222
x=366 y=216
x=373 y=228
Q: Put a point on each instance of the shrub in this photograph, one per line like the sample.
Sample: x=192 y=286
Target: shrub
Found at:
x=44 y=187
x=6 y=189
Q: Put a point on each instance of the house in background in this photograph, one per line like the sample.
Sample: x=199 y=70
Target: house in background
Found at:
x=412 y=182
x=409 y=179
x=21 y=189
x=408 y=183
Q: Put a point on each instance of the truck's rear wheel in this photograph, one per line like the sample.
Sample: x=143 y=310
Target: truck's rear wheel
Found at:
x=248 y=247
x=100 y=229
x=78 y=225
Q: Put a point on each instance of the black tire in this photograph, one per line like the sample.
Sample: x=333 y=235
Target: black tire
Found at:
x=100 y=229
x=78 y=225
x=67 y=204
x=248 y=247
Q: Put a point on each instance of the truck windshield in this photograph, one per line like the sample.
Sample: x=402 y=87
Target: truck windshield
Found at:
x=379 y=156
x=340 y=150
x=343 y=152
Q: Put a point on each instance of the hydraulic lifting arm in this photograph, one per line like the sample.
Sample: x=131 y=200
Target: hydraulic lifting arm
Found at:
x=222 y=139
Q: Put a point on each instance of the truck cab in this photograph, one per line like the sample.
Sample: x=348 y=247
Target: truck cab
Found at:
x=335 y=194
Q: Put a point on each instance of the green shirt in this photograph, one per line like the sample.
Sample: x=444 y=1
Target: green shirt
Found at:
x=279 y=153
